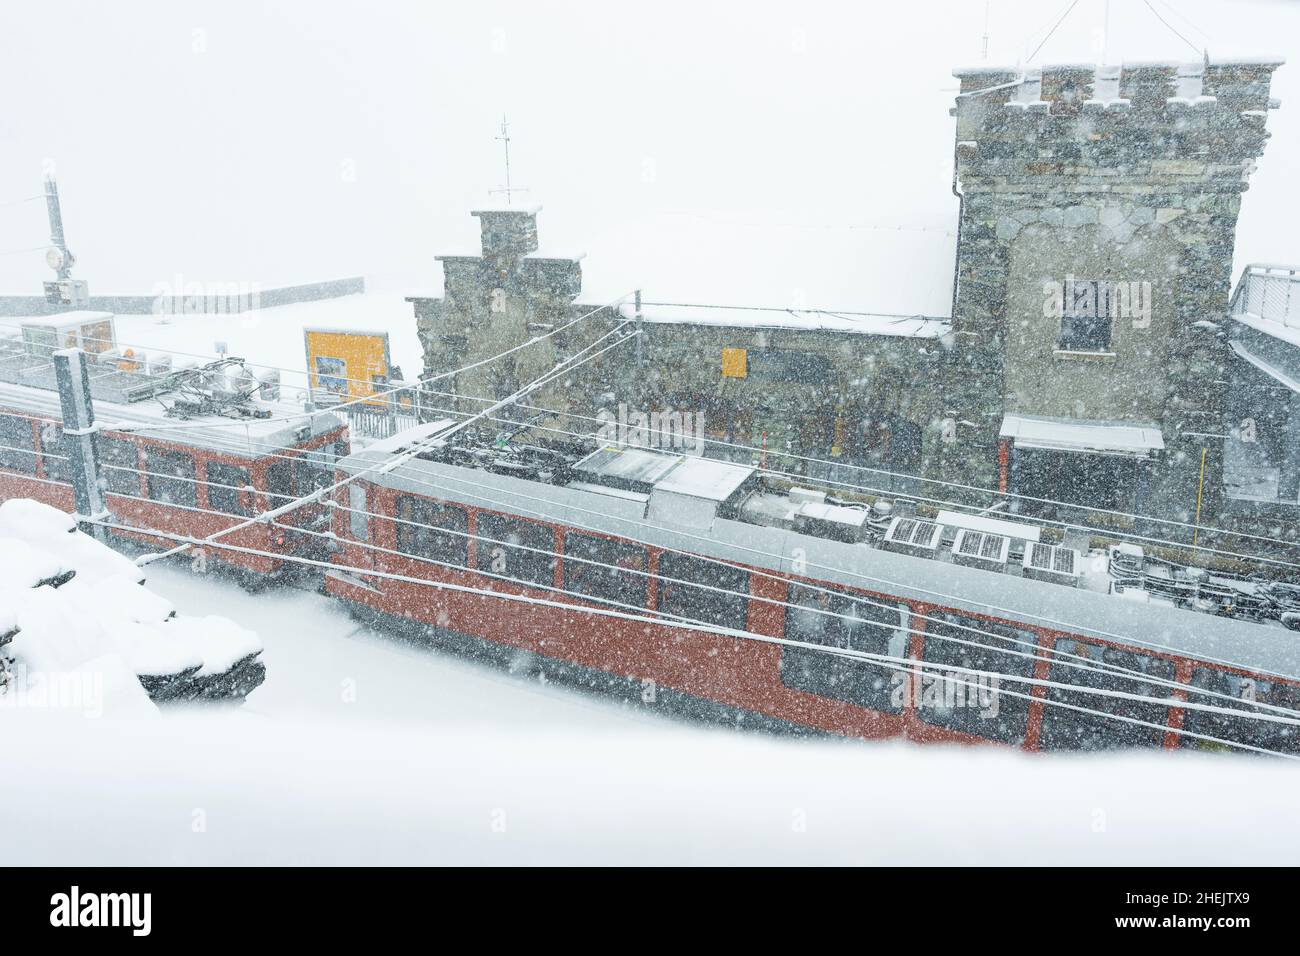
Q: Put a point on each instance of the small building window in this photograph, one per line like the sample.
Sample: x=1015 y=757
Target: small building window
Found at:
x=1066 y=729
x=224 y=485
x=17 y=444
x=608 y=571
x=516 y=549
x=983 y=703
x=432 y=529
x=835 y=620
x=725 y=607
x=170 y=477
x=119 y=459
x=1086 y=316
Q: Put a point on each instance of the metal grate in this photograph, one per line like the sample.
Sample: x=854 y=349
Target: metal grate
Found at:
x=913 y=531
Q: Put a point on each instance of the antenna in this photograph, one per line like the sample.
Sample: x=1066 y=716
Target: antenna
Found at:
x=504 y=138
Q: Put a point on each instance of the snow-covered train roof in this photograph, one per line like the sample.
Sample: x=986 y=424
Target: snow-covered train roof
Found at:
x=244 y=436
x=1173 y=630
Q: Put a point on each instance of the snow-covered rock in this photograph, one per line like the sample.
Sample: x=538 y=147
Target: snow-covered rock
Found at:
x=70 y=607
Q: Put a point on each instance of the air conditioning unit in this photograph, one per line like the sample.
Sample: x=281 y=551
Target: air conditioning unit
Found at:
x=912 y=536
x=978 y=549
x=1047 y=562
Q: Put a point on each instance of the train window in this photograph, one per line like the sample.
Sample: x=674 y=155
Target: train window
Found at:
x=170 y=477
x=358 y=519
x=724 y=607
x=314 y=470
x=516 y=549
x=56 y=453
x=432 y=529
x=224 y=484
x=17 y=445
x=611 y=575
x=832 y=619
x=1242 y=691
x=1066 y=729
x=121 y=465
x=279 y=483
x=975 y=703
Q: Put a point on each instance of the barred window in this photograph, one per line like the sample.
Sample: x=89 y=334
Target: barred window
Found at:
x=516 y=549
x=697 y=601
x=17 y=444
x=837 y=620
x=170 y=477
x=1066 y=729
x=611 y=574
x=432 y=529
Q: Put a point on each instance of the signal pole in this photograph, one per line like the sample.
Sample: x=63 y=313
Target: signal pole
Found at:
x=79 y=426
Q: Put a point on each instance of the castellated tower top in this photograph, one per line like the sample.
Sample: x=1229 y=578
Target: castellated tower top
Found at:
x=1100 y=125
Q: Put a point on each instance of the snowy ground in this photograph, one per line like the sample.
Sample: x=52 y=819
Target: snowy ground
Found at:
x=361 y=750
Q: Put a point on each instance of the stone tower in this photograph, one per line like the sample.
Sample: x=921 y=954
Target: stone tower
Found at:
x=493 y=302
x=1099 y=209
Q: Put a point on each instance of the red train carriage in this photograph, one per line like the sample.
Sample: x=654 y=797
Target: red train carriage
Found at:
x=584 y=563
x=193 y=475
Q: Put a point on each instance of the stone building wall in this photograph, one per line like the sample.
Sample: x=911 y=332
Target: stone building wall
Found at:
x=1131 y=175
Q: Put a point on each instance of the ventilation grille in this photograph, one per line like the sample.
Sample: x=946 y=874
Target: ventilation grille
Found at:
x=980 y=549
x=1046 y=562
x=913 y=535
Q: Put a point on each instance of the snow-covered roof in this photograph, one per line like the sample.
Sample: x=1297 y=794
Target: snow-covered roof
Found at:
x=1065 y=434
x=900 y=326
x=880 y=269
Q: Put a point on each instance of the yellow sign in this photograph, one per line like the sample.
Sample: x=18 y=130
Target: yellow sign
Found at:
x=344 y=365
x=734 y=363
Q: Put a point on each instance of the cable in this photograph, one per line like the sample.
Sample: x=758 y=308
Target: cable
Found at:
x=1068 y=11
x=560 y=369
x=1099 y=667
x=905 y=665
x=1116 y=672
x=1156 y=14
x=544 y=516
x=916 y=478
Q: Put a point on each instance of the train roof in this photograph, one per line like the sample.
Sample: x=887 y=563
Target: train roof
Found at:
x=252 y=437
x=613 y=511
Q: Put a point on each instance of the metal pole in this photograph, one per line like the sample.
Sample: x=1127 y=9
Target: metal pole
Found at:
x=79 y=426
x=1200 y=488
x=56 y=227
x=640 y=355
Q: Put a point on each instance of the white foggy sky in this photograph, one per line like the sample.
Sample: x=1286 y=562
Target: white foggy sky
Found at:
x=220 y=154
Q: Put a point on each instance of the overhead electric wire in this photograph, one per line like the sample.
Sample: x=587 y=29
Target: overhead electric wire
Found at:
x=904 y=665
x=1038 y=652
x=1120 y=673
